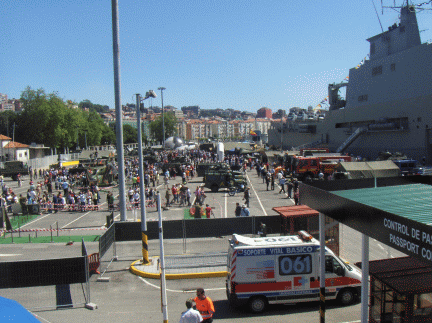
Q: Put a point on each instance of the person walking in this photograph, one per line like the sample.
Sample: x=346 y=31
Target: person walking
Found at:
x=167 y=197
x=188 y=196
x=290 y=188
x=197 y=195
x=110 y=201
x=282 y=184
x=208 y=211
x=204 y=305
x=296 y=184
x=267 y=180
x=244 y=211
x=296 y=197
x=65 y=187
x=272 y=179
x=246 y=196
x=190 y=315
x=174 y=193
x=237 y=209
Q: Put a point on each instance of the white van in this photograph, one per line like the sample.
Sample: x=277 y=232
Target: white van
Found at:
x=285 y=269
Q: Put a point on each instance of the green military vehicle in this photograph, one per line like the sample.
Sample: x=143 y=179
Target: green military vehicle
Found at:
x=202 y=168
x=175 y=164
x=223 y=178
x=13 y=168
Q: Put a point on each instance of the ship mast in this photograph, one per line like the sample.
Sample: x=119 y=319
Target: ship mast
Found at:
x=405 y=4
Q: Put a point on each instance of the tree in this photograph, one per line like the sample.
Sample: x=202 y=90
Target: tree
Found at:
x=108 y=136
x=47 y=119
x=7 y=120
x=170 y=126
x=87 y=104
x=130 y=134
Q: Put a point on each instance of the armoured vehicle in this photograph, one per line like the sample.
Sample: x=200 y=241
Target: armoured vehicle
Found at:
x=13 y=168
x=223 y=178
x=176 y=163
x=202 y=168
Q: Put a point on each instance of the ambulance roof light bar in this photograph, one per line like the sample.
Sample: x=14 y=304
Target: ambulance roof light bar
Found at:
x=305 y=236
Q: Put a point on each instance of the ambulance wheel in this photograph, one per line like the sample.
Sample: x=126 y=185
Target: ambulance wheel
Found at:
x=346 y=296
x=257 y=304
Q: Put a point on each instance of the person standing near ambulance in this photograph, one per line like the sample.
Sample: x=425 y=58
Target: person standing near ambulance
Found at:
x=204 y=305
x=191 y=315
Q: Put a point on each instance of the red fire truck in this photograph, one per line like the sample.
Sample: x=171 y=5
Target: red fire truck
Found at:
x=310 y=167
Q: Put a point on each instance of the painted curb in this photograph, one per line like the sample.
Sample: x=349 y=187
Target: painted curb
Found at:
x=177 y=276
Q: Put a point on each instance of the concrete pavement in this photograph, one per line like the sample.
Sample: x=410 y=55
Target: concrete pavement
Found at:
x=184 y=266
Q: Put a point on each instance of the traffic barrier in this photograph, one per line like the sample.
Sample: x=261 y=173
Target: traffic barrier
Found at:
x=94 y=263
x=50 y=230
x=49 y=207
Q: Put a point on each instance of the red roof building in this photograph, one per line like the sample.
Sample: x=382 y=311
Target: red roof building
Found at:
x=12 y=150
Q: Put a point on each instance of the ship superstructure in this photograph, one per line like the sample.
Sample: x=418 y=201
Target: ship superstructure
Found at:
x=388 y=102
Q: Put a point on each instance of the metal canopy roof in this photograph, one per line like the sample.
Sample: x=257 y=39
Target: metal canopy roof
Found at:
x=295 y=211
x=406 y=275
x=412 y=201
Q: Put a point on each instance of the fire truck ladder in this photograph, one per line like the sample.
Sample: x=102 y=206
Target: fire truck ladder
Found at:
x=309 y=145
x=351 y=139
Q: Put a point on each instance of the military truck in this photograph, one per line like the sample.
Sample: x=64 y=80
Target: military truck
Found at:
x=223 y=178
x=176 y=164
x=13 y=168
x=202 y=168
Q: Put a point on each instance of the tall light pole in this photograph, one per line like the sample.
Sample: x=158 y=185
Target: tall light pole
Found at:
x=77 y=127
x=118 y=109
x=149 y=94
x=282 y=133
x=85 y=136
x=163 y=120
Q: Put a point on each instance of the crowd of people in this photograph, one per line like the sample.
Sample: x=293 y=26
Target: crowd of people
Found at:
x=57 y=189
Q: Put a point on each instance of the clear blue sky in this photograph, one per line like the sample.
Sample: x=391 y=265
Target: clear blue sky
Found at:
x=242 y=54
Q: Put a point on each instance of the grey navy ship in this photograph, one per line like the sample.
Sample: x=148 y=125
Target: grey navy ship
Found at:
x=388 y=102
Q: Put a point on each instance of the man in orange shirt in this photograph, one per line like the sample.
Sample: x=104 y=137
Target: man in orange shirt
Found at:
x=204 y=305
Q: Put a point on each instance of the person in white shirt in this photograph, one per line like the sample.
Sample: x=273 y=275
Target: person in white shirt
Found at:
x=136 y=199
x=191 y=315
x=280 y=174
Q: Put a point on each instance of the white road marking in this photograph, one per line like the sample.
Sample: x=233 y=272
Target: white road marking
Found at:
x=177 y=290
x=226 y=205
x=9 y=255
x=75 y=219
x=259 y=200
x=40 y=318
x=37 y=219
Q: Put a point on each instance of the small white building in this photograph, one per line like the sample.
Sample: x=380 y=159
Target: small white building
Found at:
x=11 y=150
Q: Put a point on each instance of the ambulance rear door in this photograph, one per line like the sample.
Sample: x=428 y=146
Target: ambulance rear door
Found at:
x=297 y=266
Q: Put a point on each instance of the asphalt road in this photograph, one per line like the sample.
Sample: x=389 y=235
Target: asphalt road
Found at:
x=129 y=298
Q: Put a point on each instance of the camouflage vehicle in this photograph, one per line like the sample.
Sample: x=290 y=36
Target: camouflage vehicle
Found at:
x=223 y=178
x=202 y=168
x=176 y=163
x=13 y=168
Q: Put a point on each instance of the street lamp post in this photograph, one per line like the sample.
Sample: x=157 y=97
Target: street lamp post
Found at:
x=77 y=138
x=149 y=94
x=85 y=136
x=282 y=133
x=163 y=120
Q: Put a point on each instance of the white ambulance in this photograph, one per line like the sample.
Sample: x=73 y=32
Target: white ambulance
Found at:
x=285 y=269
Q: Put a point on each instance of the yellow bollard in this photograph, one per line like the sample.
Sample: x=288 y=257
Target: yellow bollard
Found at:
x=144 y=248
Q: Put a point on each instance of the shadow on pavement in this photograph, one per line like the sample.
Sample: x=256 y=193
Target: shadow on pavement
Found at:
x=225 y=311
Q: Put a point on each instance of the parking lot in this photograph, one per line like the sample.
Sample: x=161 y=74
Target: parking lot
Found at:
x=129 y=298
